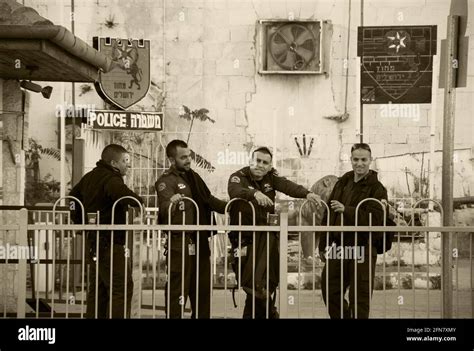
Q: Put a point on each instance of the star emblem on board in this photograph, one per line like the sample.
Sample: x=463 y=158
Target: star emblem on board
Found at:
x=397 y=42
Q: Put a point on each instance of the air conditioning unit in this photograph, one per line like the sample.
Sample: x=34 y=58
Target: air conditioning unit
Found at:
x=290 y=47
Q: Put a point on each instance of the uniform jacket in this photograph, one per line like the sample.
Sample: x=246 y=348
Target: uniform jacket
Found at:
x=242 y=185
x=98 y=190
x=174 y=182
x=368 y=187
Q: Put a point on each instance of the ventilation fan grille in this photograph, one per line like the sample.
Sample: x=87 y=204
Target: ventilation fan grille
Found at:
x=291 y=47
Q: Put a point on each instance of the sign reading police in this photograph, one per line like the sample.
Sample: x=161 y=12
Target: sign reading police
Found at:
x=125 y=120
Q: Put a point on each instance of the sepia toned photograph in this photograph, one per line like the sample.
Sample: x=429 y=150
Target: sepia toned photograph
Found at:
x=237 y=159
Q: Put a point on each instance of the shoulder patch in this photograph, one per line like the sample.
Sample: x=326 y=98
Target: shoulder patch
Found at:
x=267 y=187
x=161 y=186
x=235 y=179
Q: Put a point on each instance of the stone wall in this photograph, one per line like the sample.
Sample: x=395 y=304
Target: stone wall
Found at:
x=12 y=180
x=204 y=54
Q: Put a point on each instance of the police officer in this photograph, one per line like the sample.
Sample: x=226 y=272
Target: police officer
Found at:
x=258 y=184
x=98 y=190
x=353 y=187
x=178 y=182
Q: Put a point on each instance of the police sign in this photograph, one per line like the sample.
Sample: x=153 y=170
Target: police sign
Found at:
x=396 y=63
x=125 y=120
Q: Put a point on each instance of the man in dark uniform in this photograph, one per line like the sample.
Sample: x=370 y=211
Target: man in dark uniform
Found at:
x=178 y=182
x=353 y=187
x=98 y=190
x=258 y=184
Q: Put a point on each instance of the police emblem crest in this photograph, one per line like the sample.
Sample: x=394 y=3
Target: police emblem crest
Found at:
x=396 y=63
x=128 y=80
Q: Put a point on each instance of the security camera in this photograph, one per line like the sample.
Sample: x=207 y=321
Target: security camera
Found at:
x=46 y=91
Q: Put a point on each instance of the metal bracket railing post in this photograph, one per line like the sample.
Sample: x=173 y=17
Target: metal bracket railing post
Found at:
x=283 y=265
x=22 y=242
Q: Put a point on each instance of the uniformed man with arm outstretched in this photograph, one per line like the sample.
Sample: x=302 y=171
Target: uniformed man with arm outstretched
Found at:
x=258 y=183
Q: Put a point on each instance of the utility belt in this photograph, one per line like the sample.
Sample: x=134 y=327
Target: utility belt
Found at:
x=104 y=242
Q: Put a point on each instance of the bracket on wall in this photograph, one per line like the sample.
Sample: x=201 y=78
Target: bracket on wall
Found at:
x=339 y=118
x=10 y=147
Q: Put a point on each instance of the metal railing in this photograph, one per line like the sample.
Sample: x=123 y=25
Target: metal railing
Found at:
x=414 y=289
